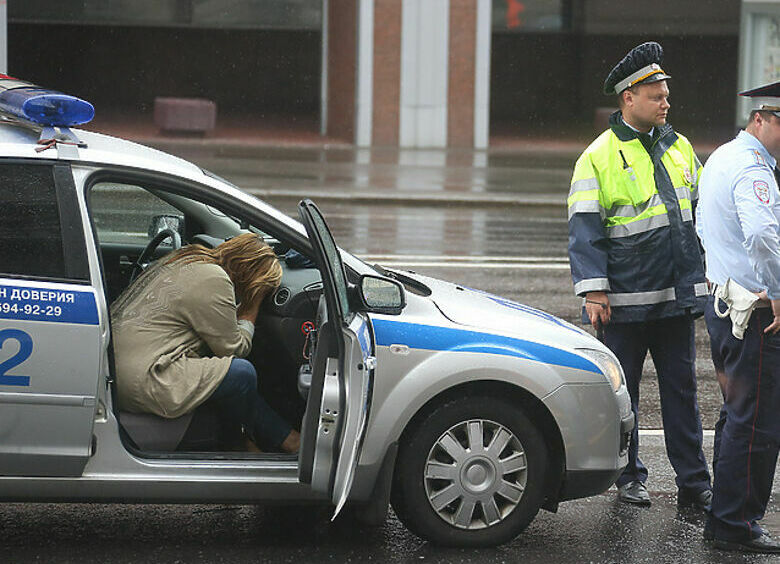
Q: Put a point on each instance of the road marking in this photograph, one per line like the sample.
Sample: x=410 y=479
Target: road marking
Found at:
x=497 y=265
x=469 y=258
x=660 y=433
x=467 y=261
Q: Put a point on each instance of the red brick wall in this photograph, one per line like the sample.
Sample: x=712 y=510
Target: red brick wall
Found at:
x=387 y=72
x=460 y=87
x=342 y=61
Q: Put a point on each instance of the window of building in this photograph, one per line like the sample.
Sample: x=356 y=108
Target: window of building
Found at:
x=215 y=14
x=529 y=15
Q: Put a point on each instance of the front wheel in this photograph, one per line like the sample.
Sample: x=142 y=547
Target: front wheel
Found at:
x=471 y=473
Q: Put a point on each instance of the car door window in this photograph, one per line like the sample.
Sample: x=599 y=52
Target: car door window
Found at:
x=334 y=258
x=30 y=229
x=122 y=213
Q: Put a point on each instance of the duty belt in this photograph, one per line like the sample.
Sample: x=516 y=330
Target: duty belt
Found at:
x=712 y=288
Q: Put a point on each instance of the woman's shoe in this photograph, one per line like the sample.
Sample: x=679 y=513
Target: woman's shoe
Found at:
x=292 y=443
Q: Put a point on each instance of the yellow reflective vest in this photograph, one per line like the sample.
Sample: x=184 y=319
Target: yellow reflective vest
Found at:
x=631 y=233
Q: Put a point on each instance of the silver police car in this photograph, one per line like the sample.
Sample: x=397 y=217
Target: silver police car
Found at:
x=466 y=411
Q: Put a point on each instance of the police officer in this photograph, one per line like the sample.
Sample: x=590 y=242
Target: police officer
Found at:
x=636 y=260
x=739 y=224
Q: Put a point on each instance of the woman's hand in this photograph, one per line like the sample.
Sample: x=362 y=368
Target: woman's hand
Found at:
x=249 y=310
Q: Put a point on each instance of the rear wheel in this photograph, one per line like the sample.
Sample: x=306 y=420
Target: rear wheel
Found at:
x=471 y=473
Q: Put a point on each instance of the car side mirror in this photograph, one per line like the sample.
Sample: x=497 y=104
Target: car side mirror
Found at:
x=166 y=221
x=381 y=295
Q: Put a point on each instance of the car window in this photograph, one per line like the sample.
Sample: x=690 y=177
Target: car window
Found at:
x=334 y=257
x=30 y=230
x=122 y=213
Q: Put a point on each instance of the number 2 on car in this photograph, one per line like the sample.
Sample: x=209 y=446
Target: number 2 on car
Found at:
x=24 y=352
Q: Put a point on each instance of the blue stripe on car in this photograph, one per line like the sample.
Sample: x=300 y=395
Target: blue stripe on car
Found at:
x=429 y=337
x=525 y=309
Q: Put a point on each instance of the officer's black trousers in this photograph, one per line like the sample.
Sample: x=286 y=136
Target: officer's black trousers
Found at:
x=671 y=345
x=748 y=433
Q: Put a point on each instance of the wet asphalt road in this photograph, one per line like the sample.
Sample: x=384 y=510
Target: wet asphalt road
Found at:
x=495 y=222
x=593 y=530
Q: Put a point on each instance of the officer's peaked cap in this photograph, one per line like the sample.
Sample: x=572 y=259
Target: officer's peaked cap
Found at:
x=765 y=98
x=642 y=65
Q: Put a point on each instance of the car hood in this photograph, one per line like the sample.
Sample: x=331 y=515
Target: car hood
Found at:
x=481 y=310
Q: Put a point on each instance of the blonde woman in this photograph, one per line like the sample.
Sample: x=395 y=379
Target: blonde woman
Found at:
x=181 y=330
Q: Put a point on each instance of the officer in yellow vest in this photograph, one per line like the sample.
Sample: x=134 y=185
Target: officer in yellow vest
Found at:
x=636 y=261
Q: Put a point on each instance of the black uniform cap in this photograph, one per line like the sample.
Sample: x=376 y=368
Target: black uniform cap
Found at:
x=766 y=98
x=642 y=65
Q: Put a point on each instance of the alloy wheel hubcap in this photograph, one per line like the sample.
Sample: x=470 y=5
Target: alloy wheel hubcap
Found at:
x=475 y=474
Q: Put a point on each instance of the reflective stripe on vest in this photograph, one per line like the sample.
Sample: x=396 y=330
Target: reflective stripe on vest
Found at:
x=584 y=197
x=636 y=226
x=591 y=285
x=651 y=298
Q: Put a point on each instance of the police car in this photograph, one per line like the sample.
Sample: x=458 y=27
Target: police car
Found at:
x=466 y=411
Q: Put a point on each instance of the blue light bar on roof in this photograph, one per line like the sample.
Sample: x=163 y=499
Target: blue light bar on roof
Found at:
x=42 y=106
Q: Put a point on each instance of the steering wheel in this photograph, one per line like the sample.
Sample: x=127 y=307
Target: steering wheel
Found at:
x=143 y=260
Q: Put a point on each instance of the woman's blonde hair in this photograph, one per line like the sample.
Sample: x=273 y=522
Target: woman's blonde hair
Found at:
x=248 y=260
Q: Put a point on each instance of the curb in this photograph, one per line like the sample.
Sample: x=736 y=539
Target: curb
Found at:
x=527 y=200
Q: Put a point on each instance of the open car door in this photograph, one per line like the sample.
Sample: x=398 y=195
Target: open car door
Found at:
x=342 y=368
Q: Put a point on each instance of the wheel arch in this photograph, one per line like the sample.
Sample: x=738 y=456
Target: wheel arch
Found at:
x=428 y=379
x=533 y=408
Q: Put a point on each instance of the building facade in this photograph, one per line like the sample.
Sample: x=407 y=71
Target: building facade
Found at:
x=406 y=73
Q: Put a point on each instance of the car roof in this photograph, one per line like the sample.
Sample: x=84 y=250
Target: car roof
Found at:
x=21 y=141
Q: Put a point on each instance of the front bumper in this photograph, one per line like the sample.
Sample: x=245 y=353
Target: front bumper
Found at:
x=585 y=483
x=626 y=428
x=595 y=425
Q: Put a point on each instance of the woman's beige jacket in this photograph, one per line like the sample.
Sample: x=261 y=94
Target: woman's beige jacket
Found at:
x=175 y=333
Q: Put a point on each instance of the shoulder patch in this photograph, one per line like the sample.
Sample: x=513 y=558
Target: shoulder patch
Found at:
x=761 y=190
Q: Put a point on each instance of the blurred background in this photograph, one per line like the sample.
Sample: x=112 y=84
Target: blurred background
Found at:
x=408 y=73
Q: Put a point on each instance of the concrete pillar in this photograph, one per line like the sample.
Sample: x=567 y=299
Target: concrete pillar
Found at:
x=407 y=73
x=4 y=37
x=445 y=73
x=482 y=50
x=365 y=73
x=424 y=72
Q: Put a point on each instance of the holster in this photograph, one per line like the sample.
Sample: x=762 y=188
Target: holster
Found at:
x=740 y=303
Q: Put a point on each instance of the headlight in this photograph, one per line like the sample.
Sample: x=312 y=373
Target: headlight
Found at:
x=608 y=366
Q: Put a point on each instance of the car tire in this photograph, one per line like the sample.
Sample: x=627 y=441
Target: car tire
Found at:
x=484 y=495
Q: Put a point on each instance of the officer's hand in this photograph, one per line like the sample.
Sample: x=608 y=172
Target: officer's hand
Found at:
x=597 y=308
x=774 y=327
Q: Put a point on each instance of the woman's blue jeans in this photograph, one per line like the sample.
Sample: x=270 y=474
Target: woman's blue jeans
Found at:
x=238 y=403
